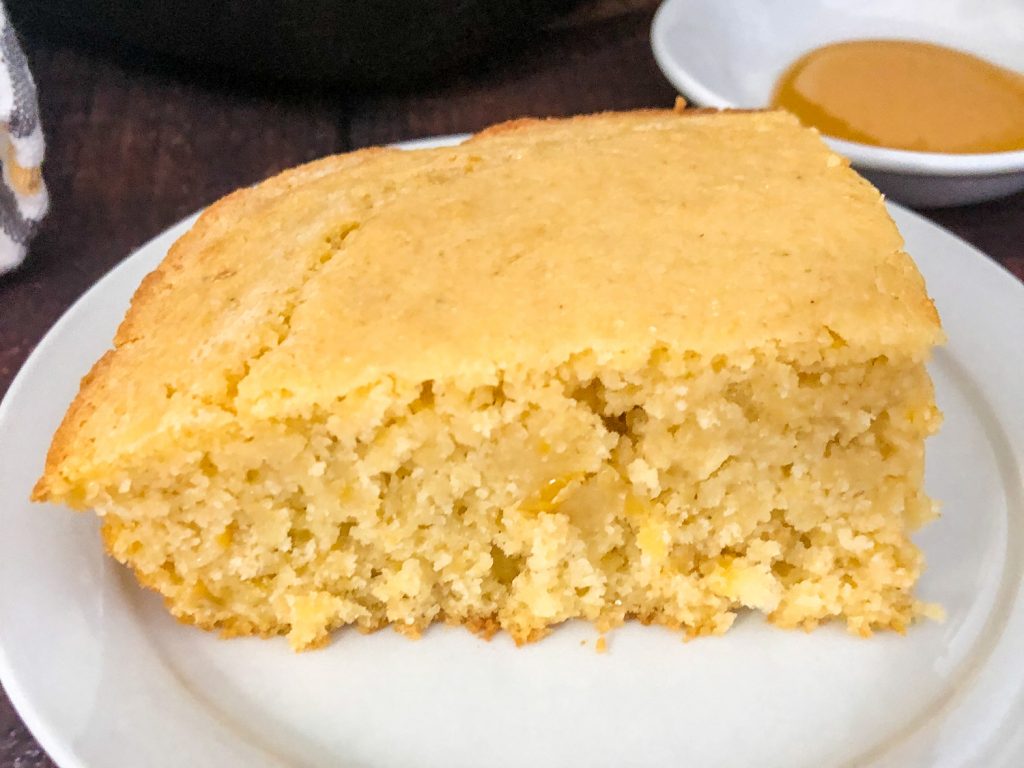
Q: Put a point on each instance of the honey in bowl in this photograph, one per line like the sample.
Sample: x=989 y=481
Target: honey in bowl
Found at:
x=904 y=94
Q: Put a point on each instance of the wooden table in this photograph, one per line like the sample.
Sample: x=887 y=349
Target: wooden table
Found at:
x=131 y=151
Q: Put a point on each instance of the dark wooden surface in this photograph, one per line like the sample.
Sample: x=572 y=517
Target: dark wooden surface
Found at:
x=131 y=150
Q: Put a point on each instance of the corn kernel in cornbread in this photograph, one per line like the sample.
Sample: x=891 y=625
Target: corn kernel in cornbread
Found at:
x=654 y=365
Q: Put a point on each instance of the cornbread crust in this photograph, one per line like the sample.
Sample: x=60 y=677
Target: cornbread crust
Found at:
x=324 y=296
x=145 y=304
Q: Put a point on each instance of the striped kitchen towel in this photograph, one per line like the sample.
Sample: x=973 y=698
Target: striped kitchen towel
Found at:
x=23 y=199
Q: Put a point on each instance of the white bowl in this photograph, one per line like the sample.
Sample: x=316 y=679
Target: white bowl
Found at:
x=730 y=53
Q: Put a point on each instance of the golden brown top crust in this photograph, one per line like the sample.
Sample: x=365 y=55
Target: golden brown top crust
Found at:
x=534 y=241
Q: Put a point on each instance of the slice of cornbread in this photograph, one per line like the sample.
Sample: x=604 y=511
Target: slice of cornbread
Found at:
x=651 y=365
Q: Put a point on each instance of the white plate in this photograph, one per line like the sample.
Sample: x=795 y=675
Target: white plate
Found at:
x=104 y=678
x=729 y=53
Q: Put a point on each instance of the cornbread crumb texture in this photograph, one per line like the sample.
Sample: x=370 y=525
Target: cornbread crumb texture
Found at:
x=643 y=365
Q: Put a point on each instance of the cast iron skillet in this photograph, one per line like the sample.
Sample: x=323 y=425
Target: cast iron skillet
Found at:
x=355 y=42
